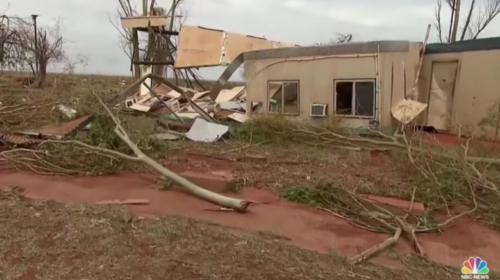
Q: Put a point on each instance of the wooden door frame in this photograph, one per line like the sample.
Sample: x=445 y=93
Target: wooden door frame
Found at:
x=457 y=72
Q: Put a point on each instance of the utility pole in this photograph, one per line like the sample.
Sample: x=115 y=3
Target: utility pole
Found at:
x=36 y=42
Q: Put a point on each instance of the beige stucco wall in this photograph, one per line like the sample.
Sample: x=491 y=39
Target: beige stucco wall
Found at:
x=317 y=75
x=477 y=87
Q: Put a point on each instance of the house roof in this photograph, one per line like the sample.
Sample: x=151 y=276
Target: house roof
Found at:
x=485 y=44
x=338 y=49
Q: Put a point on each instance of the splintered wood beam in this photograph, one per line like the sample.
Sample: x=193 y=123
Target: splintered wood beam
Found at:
x=153 y=62
x=160 y=31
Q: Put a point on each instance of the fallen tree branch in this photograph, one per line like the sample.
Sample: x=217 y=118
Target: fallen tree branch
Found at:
x=377 y=249
x=228 y=202
x=350 y=221
x=409 y=231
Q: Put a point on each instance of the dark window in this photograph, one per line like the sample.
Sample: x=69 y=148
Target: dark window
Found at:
x=355 y=98
x=283 y=97
x=344 y=98
x=365 y=99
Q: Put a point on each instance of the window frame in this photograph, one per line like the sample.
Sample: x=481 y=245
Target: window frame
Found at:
x=354 y=81
x=282 y=97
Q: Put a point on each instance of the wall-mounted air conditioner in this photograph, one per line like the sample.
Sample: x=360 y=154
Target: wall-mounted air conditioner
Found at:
x=130 y=102
x=318 y=110
x=173 y=104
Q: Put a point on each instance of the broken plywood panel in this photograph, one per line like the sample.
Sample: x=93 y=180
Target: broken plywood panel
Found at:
x=199 y=95
x=140 y=107
x=200 y=46
x=229 y=94
x=144 y=21
x=174 y=94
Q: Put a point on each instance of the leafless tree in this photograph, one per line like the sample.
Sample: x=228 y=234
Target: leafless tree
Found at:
x=48 y=48
x=7 y=57
x=479 y=16
x=6 y=33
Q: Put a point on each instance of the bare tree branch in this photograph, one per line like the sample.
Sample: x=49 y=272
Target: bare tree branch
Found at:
x=467 y=21
x=479 y=16
x=451 y=4
x=437 y=24
x=456 y=21
x=486 y=16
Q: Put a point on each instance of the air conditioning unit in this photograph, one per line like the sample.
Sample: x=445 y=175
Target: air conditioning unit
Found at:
x=173 y=104
x=318 y=110
x=130 y=102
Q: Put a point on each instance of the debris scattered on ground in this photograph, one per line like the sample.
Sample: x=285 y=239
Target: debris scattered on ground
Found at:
x=203 y=131
x=124 y=202
x=179 y=113
x=37 y=135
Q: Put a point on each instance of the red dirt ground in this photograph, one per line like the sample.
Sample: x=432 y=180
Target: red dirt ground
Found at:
x=297 y=224
x=445 y=139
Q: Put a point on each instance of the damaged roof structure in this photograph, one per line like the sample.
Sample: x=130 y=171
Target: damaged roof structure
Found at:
x=195 y=108
x=203 y=47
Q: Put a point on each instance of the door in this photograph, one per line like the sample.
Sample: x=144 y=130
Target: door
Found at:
x=441 y=94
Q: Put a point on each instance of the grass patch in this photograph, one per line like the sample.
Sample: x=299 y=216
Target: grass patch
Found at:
x=48 y=240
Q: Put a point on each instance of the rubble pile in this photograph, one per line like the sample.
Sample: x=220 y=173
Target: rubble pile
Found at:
x=178 y=117
x=175 y=115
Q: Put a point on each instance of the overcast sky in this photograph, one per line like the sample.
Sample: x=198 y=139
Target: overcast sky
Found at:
x=88 y=30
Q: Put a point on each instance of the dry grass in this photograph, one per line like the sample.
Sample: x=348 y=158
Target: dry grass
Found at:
x=47 y=240
x=77 y=82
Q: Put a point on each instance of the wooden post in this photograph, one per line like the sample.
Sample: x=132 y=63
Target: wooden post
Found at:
x=135 y=54
x=144 y=7
x=498 y=121
x=415 y=84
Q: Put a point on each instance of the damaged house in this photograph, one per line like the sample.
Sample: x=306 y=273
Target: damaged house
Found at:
x=460 y=82
x=359 y=84
x=356 y=82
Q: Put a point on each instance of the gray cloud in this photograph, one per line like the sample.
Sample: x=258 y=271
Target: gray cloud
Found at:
x=88 y=30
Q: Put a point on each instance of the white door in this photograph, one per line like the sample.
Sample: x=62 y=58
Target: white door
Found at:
x=441 y=95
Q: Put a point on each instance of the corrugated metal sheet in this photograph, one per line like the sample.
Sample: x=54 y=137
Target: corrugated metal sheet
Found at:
x=36 y=136
x=339 y=49
x=64 y=128
x=485 y=44
x=18 y=139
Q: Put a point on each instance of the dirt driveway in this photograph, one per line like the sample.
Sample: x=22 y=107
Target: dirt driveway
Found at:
x=287 y=222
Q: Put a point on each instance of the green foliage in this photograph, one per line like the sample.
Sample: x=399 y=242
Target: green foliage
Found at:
x=446 y=182
x=491 y=119
x=283 y=130
x=73 y=159
x=327 y=195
